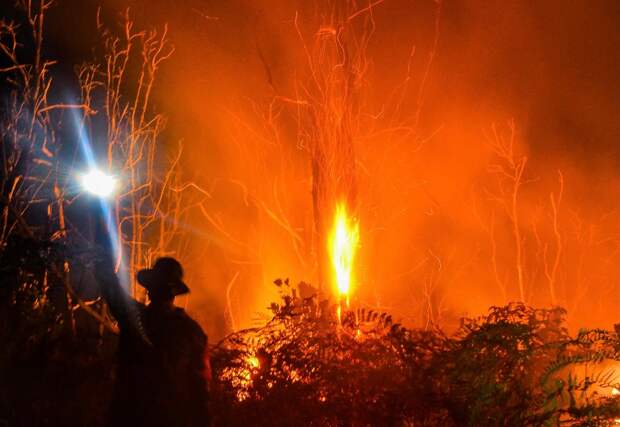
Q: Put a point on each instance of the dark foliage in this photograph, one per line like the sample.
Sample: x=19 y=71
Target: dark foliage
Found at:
x=55 y=367
x=516 y=366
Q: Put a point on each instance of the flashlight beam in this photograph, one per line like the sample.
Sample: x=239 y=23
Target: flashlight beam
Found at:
x=98 y=183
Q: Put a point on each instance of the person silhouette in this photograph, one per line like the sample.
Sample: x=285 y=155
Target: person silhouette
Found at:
x=162 y=369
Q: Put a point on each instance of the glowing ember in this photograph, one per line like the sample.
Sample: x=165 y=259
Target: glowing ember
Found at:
x=343 y=242
x=241 y=377
x=253 y=362
x=615 y=392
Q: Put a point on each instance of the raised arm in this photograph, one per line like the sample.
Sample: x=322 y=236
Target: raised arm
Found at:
x=111 y=290
x=123 y=307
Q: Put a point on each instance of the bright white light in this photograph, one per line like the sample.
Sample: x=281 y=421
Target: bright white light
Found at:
x=98 y=183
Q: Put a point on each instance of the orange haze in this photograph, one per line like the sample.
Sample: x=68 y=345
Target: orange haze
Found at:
x=437 y=241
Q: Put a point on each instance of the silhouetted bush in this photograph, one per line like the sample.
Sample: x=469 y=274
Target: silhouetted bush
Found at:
x=506 y=368
x=55 y=369
x=515 y=366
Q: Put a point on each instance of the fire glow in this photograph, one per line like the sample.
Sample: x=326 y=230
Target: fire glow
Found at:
x=343 y=243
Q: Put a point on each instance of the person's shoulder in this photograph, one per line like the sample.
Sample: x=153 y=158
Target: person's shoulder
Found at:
x=188 y=322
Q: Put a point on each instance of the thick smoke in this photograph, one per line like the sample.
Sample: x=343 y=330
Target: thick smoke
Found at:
x=429 y=207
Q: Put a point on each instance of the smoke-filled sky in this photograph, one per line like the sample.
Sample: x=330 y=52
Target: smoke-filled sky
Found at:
x=432 y=225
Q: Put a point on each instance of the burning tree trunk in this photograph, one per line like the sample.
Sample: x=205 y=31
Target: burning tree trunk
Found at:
x=333 y=179
x=322 y=119
x=336 y=65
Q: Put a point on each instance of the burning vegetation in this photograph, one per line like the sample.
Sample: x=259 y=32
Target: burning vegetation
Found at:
x=324 y=175
x=514 y=366
x=343 y=243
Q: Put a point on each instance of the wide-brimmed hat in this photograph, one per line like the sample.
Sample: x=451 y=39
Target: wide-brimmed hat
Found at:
x=166 y=275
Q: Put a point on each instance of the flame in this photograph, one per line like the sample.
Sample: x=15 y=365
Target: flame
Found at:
x=343 y=243
x=615 y=392
x=252 y=362
x=241 y=377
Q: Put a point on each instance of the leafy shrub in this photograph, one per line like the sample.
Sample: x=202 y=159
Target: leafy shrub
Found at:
x=310 y=366
x=307 y=367
x=53 y=369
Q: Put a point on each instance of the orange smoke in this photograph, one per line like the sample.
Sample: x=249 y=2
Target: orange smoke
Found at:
x=431 y=190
